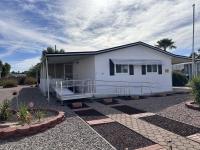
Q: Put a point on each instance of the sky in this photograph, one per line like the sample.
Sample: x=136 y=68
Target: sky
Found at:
x=29 y=26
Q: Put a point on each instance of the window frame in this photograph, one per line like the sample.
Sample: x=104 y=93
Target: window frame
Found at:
x=121 y=70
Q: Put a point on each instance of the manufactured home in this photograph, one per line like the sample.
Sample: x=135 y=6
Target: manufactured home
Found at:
x=132 y=69
x=186 y=68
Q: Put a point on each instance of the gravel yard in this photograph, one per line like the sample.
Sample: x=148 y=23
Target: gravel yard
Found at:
x=181 y=113
x=156 y=104
x=6 y=93
x=172 y=107
x=73 y=133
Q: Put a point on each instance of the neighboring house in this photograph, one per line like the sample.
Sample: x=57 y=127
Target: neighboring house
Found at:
x=18 y=75
x=132 y=69
x=186 y=68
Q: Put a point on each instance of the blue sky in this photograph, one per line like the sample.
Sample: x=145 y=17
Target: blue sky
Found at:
x=29 y=26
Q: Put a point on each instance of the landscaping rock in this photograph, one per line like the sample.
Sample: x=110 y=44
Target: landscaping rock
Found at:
x=77 y=104
x=108 y=100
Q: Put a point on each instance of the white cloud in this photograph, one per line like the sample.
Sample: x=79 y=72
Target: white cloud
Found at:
x=23 y=65
x=78 y=25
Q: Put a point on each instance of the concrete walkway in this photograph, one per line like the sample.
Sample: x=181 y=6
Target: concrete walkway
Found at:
x=154 y=133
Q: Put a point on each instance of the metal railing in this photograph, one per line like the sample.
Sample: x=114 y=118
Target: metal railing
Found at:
x=118 y=88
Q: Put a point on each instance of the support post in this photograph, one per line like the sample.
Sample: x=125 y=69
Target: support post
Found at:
x=47 y=73
x=64 y=71
x=193 y=54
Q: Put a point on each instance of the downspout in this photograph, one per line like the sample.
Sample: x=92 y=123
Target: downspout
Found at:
x=47 y=73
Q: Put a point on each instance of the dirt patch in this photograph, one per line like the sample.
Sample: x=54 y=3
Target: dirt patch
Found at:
x=122 y=137
x=128 y=110
x=90 y=114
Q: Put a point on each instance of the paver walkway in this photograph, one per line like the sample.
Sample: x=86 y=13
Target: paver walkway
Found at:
x=156 y=134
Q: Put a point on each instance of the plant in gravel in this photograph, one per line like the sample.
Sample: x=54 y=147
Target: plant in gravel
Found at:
x=39 y=114
x=4 y=110
x=195 y=84
x=24 y=115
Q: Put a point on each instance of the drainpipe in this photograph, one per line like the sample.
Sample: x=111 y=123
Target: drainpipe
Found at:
x=47 y=73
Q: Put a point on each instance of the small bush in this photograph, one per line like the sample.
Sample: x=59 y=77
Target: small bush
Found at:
x=195 y=84
x=1 y=82
x=21 y=80
x=4 y=110
x=9 y=83
x=39 y=114
x=179 y=79
x=24 y=115
x=30 y=81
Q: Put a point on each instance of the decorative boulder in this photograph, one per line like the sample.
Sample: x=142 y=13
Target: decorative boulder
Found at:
x=108 y=100
x=77 y=105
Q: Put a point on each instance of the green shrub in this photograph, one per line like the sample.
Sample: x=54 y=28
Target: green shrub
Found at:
x=195 y=84
x=179 y=79
x=23 y=115
x=21 y=80
x=30 y=81
x=9 y=83
x=4 y=110
x=39 y=114
x=1 y=82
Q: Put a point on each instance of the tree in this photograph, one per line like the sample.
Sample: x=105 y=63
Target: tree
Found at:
x=165 y=44
x=5 y=70
x=50 y=50
x=32 y=72
x=1 y=66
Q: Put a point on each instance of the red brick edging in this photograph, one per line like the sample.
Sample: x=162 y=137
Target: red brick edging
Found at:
x=191 y=105
x=34 y=128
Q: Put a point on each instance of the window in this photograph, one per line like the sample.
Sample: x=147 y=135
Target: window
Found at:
x=143 y=69
x=151 y=68
x=159 y=69
x=131 y=69
x=121 y=68
x=154 y=68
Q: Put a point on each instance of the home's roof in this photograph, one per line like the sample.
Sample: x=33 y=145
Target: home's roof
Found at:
x=179 y=58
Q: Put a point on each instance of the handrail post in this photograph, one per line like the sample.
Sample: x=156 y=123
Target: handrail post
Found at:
x=61 y=86
x=73 y=85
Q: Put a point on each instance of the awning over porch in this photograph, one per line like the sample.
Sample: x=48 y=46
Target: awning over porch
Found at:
x=62 y=59
x=177 y=59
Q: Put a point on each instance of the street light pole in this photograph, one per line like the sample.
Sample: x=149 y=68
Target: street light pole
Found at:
x=193 y=54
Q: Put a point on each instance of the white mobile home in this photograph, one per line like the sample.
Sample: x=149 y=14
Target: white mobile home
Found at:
x=132 y=69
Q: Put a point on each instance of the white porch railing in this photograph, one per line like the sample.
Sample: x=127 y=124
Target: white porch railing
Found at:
x=101 y=87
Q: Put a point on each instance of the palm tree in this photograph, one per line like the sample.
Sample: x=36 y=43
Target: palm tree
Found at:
x=166 y=43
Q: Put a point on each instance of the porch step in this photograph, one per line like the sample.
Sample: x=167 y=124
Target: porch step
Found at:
x=75 y=96
x=64 y=91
